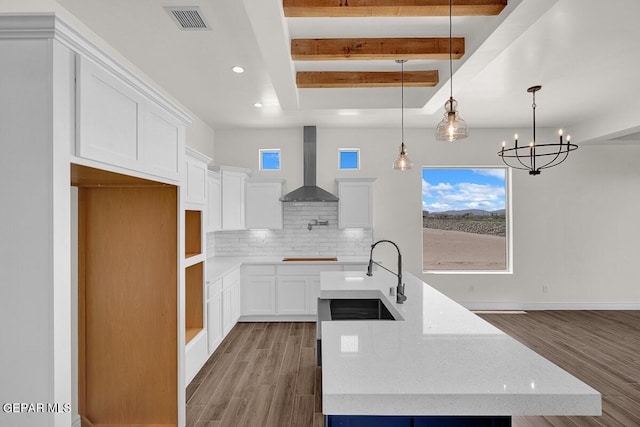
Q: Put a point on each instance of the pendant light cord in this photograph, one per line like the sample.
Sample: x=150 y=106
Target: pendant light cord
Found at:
x=402 y=100
x=450 y=49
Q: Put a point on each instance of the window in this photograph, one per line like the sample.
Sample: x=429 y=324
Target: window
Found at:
x=465 y=224
x=349 y=158
x=269 y=159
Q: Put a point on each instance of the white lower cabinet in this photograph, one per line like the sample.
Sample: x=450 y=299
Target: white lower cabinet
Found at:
x=284 y=292
x=258 y=295
x=223 y=307
x=230 y=300
x=214 y=316
x=292 y=295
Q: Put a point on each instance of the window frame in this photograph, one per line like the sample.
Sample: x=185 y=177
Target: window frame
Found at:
x=262 y=151
x=508 y=223
x=348 y=150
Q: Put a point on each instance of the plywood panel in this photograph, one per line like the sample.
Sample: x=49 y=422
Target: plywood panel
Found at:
x=193 y=233
x=130 y=305
x=193 y=300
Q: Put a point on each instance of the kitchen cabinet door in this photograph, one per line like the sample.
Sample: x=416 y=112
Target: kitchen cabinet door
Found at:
x=264 y=208
x=214 y=200
x=235 y=303
x=355 y=203
x=313 y=293
x=196 y=177
x=214 y=321
x=226 y=311
x=258 y=295
x=292 y=295
x=233 y=200
x=109 y=111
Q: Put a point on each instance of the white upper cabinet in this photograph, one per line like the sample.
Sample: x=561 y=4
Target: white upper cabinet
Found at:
x=264 y=208
x=233 y=196
x=214 y=209
x=118 y=125
x=196 y=177
x=355 y=202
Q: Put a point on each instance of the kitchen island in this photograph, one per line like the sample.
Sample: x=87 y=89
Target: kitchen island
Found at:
x=436 y=364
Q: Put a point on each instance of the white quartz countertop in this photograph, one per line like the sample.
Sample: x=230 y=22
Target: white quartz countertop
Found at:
x=218 y=266
x=438 y=358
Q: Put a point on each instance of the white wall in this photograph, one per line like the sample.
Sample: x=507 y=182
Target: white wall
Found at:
x=574 y=226
x=199 y=136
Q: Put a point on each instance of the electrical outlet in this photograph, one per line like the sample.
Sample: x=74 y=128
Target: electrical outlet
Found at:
x=471 y=288
x=545 y=289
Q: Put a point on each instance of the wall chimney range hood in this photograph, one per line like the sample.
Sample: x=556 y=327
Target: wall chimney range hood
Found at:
x=309 y=192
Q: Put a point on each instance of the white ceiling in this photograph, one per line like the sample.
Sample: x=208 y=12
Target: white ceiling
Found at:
x=583 y=52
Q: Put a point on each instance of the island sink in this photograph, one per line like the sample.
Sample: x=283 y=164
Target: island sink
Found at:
x=359 y=309
x=348 y=309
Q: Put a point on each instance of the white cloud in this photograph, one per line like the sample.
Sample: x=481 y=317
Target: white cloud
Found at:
x=427 y=188
x=494 y=172
x=464 y=195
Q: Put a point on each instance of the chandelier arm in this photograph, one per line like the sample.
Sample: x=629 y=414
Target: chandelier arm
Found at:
x=520 y=161
x=552 y=161
x=515 y=167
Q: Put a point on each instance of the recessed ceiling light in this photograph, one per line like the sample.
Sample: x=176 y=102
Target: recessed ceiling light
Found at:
x=238 y=70
x=258 y=105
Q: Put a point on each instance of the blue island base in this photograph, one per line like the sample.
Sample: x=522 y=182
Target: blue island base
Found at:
x=408 y=421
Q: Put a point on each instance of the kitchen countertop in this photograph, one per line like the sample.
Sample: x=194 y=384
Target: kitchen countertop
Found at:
x=219 y=266
x=440 y=359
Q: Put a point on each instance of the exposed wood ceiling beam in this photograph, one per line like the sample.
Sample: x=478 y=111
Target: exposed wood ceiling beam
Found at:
x=355 y=79
x=375 y=48
x=344 y=8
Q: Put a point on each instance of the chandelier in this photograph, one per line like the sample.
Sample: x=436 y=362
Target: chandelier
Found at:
x=534 y=157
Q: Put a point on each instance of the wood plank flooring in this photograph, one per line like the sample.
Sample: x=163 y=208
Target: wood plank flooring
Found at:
x=601 y=348
x=264 y=374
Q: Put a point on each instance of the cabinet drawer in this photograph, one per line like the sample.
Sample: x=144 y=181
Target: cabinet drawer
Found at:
x=214 y=288
x=259 y=270
x=231 y=278
x=306 y=270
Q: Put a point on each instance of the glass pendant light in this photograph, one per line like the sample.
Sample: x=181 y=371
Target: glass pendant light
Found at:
x=451 y=127
x=402 y=162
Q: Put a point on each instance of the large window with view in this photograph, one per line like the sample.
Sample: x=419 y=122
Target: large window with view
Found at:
x=465 y=219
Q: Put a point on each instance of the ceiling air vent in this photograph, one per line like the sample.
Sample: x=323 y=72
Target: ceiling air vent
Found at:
x=188 y=18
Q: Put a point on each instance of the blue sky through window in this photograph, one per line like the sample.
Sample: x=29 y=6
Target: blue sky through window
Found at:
x=270 y=159
x=349 y=159
x=446 y=189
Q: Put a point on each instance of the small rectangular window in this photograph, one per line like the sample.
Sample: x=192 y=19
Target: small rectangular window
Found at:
x=349 y=158
x=269 y=159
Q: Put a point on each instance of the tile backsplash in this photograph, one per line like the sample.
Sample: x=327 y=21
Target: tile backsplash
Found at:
x=295 y=239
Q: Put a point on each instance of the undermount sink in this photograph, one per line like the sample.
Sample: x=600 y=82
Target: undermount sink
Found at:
x=290 y=259
x=353 y=309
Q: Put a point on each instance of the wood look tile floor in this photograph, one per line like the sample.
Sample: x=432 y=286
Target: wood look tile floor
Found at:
x=264 y=374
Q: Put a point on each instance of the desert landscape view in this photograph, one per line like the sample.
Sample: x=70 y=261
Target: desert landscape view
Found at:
x=464 y=241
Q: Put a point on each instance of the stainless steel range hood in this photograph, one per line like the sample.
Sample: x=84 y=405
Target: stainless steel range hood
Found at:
x=309 y=192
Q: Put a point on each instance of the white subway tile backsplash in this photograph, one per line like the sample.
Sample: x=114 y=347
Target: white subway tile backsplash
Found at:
x=295 y=239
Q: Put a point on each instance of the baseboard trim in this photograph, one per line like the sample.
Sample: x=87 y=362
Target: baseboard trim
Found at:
x=533 y=306
x=280 y=318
